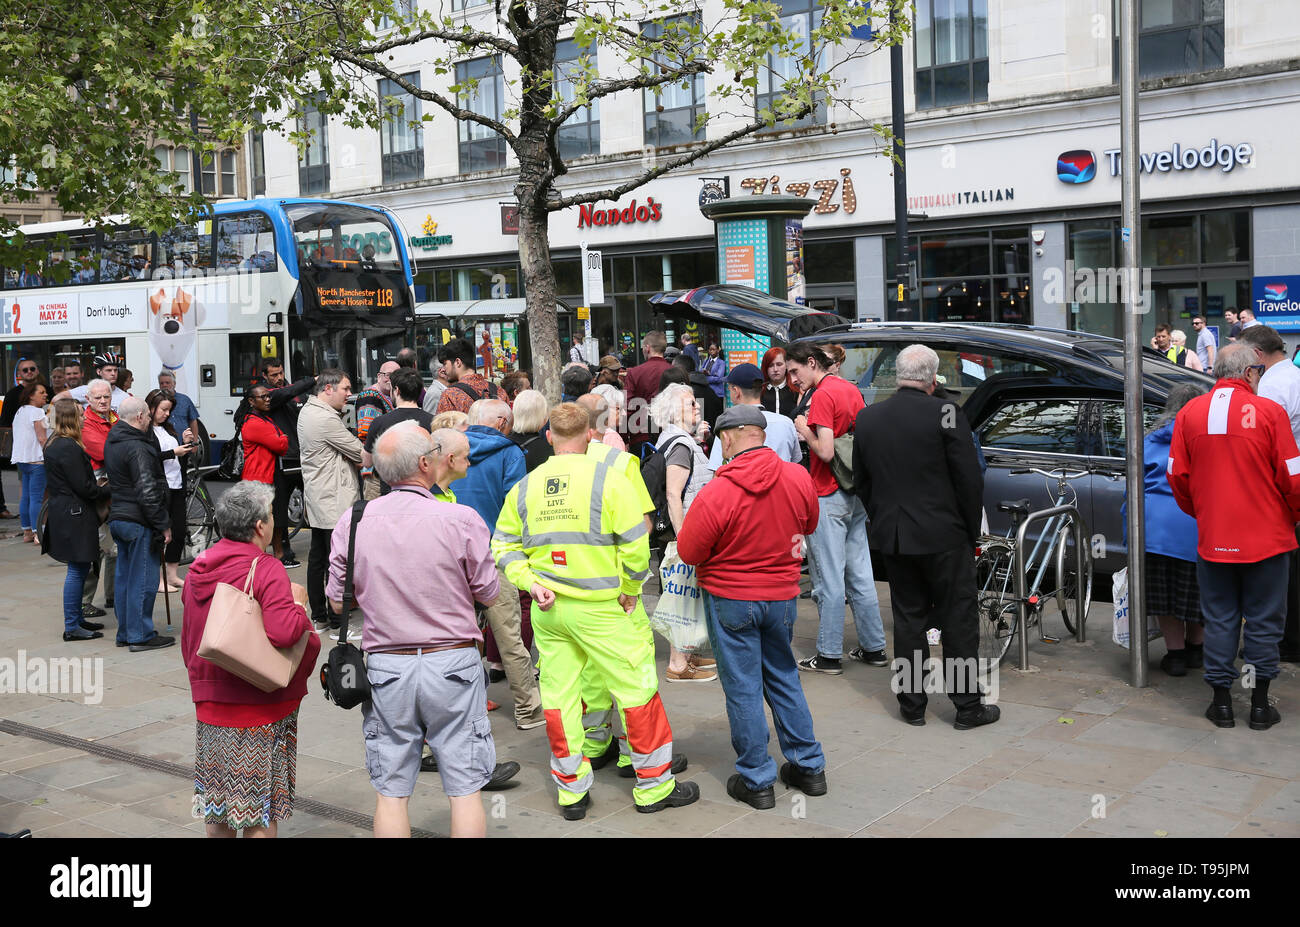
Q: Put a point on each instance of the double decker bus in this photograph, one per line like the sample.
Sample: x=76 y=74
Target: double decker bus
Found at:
x=317 y=283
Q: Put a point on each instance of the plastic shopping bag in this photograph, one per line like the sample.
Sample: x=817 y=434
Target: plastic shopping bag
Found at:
x=1120 y=634
x=679 y=615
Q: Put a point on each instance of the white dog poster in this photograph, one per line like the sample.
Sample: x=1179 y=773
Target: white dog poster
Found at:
x=175 y=314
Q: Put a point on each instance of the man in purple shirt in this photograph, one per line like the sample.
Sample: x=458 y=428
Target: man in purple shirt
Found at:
x=420 y=634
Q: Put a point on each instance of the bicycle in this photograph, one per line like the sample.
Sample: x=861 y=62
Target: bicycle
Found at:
x=200 y=513
x=296 y=508
x=995 y=569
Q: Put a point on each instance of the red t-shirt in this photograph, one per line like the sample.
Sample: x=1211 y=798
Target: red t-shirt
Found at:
x=835 y=405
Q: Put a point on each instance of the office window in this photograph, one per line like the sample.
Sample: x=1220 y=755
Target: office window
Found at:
x=405 y=13
x=952 y=53
x=482 y=149
x=671 y=115
x=401 y=145
x=219 y=173
x=803 y=17
x=177 y=162
x=314 y=161
x=1175 y=37
x=257 y=155
x=580 y=134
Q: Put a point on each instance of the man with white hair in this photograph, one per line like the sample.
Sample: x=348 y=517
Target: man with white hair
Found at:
x=916 y=471
x=495 y=465
x=97 y=420
x=420 y=635
x=137 y=518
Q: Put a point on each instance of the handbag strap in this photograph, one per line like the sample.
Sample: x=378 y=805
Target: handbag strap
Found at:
x=357 y=508
x=248 y=584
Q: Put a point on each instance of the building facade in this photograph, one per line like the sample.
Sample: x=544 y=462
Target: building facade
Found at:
x=1012 y=170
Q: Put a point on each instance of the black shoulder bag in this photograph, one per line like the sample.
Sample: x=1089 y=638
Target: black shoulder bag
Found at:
x=343 y=674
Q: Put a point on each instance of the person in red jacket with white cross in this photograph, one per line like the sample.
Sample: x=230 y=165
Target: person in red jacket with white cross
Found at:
x=1235 y=468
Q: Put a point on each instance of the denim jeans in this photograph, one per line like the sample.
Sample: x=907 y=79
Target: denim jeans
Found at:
x=136 y=581
x=751 y=643
x=33 y=481
x=838 y=556
x=72 y=585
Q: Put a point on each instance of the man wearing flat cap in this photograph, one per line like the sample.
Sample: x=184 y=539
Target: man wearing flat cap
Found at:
x=744 y=534
x=745 y=387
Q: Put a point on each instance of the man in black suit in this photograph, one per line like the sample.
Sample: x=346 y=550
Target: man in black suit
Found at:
x=917 y=473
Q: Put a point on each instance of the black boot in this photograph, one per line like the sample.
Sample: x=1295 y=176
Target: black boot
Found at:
x=1220 y=710
x=1195 y=656
x=1262 y=714
x=1175 y=663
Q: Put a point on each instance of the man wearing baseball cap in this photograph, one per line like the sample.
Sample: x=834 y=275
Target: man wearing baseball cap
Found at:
x=745 y=387
x=744 y=535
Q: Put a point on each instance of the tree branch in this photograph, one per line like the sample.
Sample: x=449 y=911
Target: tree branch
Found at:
x=641 y=81
x=672 y=164
x=467 y=39
x=455 y=111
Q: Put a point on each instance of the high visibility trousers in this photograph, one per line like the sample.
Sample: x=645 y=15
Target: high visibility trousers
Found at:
x=598 y=715
x=617 y=650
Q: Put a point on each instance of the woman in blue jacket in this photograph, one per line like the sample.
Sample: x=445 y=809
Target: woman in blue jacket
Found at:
x=1172 y=593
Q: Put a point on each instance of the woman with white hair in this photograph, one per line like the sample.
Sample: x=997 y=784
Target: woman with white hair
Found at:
x=676 y=413
x=615 y=415
x=1179 y=338
x=529 y=428
x=246 y=741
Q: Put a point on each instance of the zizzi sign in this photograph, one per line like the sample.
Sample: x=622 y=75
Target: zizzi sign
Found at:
x=589 y=215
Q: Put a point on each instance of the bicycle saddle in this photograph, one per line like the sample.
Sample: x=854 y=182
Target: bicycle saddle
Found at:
x=1014 y=506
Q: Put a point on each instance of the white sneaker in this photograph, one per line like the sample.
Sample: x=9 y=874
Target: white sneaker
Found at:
x=354 y=636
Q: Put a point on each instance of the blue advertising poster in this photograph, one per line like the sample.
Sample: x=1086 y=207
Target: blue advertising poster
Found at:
x=1276 y=301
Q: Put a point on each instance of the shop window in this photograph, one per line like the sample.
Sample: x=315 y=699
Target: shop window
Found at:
x=1169 y=240
x=977 y=276
x=828 y=261
x=952 y=57
x=1225 y=236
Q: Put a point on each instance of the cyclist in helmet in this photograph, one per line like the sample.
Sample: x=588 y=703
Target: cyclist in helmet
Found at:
x=106 y=366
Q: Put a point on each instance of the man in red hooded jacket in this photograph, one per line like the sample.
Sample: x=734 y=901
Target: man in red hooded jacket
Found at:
x=1235 y=468
x=744 y=533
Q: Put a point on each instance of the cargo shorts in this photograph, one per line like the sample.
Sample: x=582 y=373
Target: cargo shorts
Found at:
x=437 y=698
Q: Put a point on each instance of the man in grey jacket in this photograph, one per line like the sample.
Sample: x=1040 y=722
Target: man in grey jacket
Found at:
x=330 y=457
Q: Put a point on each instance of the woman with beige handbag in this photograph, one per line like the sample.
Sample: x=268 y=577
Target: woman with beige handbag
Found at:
x=250 y=648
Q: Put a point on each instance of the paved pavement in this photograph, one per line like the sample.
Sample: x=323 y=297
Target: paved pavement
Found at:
x=1078 y=752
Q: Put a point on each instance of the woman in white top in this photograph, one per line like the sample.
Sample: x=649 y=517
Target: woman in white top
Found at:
x=160 y=403
x=676 y=413
x=29 y=439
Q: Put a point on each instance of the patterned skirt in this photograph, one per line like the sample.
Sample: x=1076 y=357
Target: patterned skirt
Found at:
x=244 y=776
x=1172 y=588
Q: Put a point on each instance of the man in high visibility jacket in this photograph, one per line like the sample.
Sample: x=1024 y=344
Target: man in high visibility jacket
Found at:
x=601 y=744
x=573 y=534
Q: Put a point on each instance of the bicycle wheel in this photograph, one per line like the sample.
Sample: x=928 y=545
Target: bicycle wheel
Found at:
x=200 y=524
x=1068 y=579
x=996 y=600
x=297 y=513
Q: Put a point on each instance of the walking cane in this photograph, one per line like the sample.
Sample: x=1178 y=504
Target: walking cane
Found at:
x=167 y=601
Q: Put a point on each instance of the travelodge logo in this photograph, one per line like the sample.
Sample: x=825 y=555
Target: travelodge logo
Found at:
x=1275 y=292
x=1078 y=166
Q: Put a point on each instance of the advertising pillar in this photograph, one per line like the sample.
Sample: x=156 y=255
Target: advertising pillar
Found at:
x=760 y=245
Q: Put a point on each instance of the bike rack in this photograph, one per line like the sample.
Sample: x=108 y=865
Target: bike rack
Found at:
x=1078 y=529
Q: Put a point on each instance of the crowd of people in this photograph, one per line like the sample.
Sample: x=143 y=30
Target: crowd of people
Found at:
x=543 y=517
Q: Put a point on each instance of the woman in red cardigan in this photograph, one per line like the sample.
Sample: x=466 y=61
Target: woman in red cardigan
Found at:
x=246 y=752
x=264 y=445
